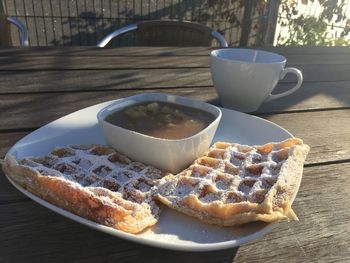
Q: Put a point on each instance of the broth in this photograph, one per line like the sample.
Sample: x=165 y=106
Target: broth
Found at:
x=162 y=119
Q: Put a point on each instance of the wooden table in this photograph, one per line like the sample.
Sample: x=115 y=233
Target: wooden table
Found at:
x=39 y=85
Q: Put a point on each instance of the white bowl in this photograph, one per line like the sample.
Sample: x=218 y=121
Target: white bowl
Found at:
x=170 y=155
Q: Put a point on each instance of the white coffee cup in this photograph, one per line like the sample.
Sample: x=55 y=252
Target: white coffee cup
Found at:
x=245 y=78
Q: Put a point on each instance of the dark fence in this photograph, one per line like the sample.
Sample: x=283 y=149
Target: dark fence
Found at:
x=85 y=22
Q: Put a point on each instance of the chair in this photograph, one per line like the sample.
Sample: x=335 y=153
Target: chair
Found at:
x=168 y=33
x=5 y=31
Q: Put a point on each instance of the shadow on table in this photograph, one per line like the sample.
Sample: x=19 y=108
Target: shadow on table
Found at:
x=308 y=97
x=313 y=94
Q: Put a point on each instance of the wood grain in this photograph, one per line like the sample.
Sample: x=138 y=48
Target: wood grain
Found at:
x=308 y=50
x=315 y=238
x=161 y=51
x=26 y=112
x=325 y=147
x=9 y=194
x=322 y=234
x=79 y=80
x=311 y=96
x=99 y=80
x=91 y=62
x=303 y=62
x=105 y=52
x=7 y=139
x=329 y=140
x=94 y=58
x=39 y=85
x=37 y=234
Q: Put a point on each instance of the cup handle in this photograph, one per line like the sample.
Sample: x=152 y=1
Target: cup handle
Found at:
x=299 y=75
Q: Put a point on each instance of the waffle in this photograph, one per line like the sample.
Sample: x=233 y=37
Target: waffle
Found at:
x=94 y=182
x=234 y=184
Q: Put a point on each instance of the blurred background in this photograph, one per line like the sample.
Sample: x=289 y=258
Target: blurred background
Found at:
x=242 y=22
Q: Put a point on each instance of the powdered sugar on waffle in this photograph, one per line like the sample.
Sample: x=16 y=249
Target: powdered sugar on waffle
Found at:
x=96 y=167
x=232 y=174
x=203 y=175
x=231 y=184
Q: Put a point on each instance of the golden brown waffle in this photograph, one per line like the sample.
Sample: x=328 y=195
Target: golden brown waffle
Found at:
x=94 y=182
x=234 y=184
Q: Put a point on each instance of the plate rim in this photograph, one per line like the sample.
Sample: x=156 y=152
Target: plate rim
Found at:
x=196 y=247
x=134 y=238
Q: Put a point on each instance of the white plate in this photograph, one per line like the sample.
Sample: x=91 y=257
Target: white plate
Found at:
x=174 y=230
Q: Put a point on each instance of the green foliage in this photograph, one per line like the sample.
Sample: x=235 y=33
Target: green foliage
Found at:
x=311 y=30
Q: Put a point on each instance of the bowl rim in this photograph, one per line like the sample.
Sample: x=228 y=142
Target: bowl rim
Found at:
x=101 y=115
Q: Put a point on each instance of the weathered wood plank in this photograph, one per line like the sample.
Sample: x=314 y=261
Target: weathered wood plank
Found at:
x=76 y=62
x=93 y=51
x=57 y=105
x=9 y=194
x=27 y=112
x=325 y=59
x=99 y=80
x=311 y=72
x=314 y=238
x=327 y=132
x=31 y=233
x=322 y=234
x=50 y=34
x=322 y=72
x=289 y=51
x=40 y=23
x=18 y=60
x=305 y=50
x=201 y=56
x=8 y=139
x=311 y=96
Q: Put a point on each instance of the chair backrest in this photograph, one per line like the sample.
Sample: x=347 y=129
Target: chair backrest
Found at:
x=5 y=31
x=169 y=33
x=173 y=33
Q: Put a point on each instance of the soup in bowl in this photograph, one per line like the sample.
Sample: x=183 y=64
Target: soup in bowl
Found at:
x=162 y=130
